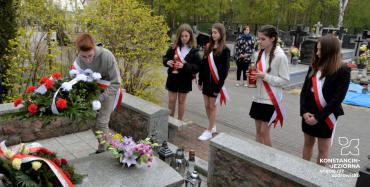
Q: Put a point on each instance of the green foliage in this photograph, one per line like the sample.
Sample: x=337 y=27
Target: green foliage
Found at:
x=8 y=30
x=357 y=14
x=33 y=53
x=27 y=176
x=282 y=12
x=137 y=39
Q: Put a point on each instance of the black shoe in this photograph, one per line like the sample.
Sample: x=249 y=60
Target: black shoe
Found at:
x=97 y=152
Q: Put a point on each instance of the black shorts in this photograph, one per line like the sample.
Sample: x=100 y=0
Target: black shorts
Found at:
x=177 y=83
x=261 y=111
x=320 y=130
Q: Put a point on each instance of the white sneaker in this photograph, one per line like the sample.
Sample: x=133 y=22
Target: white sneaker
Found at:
x=206 y=135
x=213 y=130
x=237 y=84
x=245 y=85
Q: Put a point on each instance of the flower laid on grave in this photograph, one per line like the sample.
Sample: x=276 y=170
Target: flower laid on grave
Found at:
x=363 y=58
x=34 y=165
x=127 y=151
x=75 y=97
x=294 y=52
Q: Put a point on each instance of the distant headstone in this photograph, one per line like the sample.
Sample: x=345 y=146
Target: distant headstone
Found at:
x=307 y=48
x=347 y=41
x=318 y=26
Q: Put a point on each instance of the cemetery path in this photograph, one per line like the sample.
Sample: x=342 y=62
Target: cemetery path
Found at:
x=234 y=119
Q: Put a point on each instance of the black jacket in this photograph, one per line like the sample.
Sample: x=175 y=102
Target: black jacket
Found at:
x=334 y=90
x=191 y=66
x=222 y=62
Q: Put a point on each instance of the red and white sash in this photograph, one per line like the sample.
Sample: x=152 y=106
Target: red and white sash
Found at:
x=63 y=179
x=104 y=85
x=317 y=85
x=179 y=57
x=223 y=96
x=275 y=95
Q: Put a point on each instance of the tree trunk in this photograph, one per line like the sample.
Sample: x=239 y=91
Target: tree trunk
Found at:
x=342 y=8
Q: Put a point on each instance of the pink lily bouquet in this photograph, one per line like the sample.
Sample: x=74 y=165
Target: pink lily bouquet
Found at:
x=127 y=151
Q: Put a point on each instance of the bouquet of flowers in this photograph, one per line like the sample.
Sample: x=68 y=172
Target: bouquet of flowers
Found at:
x=34 y=165
x=362 y=59
x=294 y=52
x=127 y=151
x=74 y=97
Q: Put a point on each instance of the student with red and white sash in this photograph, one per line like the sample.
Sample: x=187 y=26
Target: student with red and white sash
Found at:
x=272 y=64
x=179 y=83
x=323 y=91
x=212 y=75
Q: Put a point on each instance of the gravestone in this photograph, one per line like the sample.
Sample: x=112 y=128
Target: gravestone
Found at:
x=103 y=170
x=298 y=34
x=140 y=119
x=286 y=37
x=244 y=162
x=307 y=48
x=347 y=41
x=318 y=26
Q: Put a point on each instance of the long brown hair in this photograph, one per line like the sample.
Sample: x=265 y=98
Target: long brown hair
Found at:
x=271 y=32
x=222 y=43
x=330 y=60
x=187 y=28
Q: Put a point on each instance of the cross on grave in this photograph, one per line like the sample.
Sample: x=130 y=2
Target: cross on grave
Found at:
x=357 y=42
x=318 y=25
x=298 y=33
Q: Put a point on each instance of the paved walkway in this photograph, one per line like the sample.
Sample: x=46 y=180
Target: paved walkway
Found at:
x=234 y=119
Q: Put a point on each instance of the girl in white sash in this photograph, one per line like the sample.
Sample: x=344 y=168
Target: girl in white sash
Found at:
x=322 y=93
x=179 y=83
x=212 y=75
x=273 y=74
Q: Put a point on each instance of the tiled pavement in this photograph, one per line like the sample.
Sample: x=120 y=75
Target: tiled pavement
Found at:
x=234 y=119
x=188 y=138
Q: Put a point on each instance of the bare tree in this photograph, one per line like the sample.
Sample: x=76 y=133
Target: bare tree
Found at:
x=342 y=8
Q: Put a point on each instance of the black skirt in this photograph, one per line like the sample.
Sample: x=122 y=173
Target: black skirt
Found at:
x=320 y=130
x=178 y=83
x=261 y=111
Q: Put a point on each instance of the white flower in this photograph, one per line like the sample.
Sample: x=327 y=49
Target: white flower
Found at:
x=88 y=72
x=81 y=77
x=41 y=89
x=96 y=105
x=66 y=86
x=73 y=72
x=96 y=76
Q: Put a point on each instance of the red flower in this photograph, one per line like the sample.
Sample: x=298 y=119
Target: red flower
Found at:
x=49 y=84
x=57 y=162
x=32 y=108
x=43 y=79
x=17 y=102
x=61 y=104
x=30 y=89
x=57 y=75
x=64 y=161
x=67 y=174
